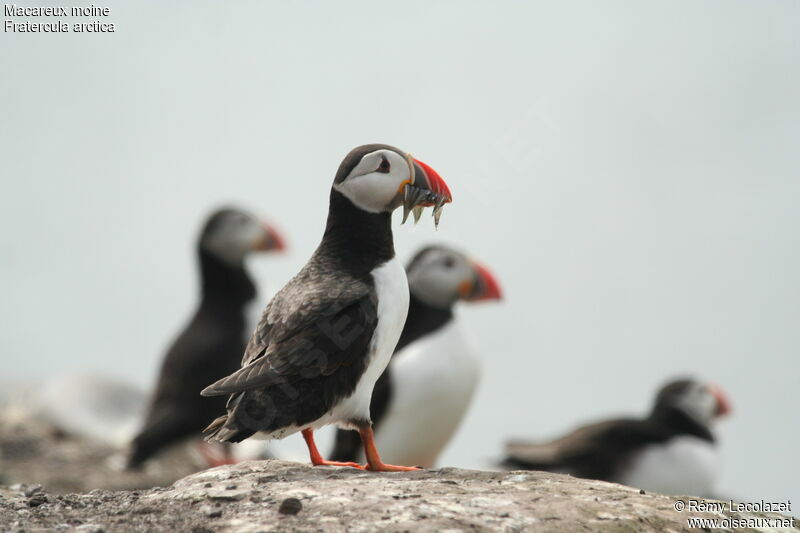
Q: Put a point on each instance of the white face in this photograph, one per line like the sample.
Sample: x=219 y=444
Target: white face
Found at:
x=377 y=181
x=440 y=276
x=698 y=402
x=231 y=234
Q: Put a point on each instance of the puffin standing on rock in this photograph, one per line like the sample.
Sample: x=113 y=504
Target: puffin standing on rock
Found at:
x=420 y=400
x=211 y=345
x=326 y=337
x=672 y=451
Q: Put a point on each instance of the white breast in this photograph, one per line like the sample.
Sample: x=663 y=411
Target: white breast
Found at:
x=433 y=381
x=391 y=287
x=683 y=465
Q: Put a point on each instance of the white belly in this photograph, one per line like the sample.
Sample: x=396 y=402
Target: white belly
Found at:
x=391 y=287
x=433 y=382
x=682 y=466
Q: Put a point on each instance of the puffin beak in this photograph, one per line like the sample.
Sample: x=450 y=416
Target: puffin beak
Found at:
x=723 y=405
x=269 y=240
x=424 y=188
x=483 y=286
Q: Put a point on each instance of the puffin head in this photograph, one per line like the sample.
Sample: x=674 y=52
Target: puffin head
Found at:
x=231 y=233
x=379 y=178
x=441 y=276
x=703 y=402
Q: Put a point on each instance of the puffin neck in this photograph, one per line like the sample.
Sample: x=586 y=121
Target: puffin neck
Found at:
x=422 y=320
x=357 y=240
x=224 y=282
x=675 y=418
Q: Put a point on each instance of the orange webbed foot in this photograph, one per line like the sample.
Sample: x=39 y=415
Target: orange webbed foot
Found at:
x=383 y=467
x=338 y=463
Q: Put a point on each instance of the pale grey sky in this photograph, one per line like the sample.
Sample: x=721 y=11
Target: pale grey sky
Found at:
x=629 y=170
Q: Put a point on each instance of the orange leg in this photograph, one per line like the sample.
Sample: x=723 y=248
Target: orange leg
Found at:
x=316 y=457
x=374 y=462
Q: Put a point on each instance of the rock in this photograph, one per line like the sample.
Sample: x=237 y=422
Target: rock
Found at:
x=90 y=528
x=290 y=506
x=211 y=512
x=33 y=489
x=281 y=496
x=37 y=499
x=32 y=456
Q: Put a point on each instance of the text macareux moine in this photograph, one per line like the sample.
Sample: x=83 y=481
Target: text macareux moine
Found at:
x=13 y=10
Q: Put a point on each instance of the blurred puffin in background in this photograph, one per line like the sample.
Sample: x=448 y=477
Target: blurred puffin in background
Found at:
x=211 y=345
x=326 y=337
x=423 y=395
x=672 y=451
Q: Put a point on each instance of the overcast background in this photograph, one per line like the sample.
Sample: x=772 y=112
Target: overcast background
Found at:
x=629 y=170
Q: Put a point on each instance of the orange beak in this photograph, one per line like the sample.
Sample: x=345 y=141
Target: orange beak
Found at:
x=434 y=183
x=271 y=240
x=484 y=286
x=424 y=188
x=723 y=404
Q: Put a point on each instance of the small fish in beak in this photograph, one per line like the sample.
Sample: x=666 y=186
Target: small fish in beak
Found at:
x=425 y=188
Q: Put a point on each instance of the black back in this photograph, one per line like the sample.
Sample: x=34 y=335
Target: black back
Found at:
x=423 y=319
x=602 y=451
x=311 y=346
x=208 y=348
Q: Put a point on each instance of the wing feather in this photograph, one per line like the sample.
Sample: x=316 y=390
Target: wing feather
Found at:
x=311 y=328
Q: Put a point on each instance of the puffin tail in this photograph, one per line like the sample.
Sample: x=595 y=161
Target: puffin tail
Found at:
x=211 y=433
x=224 y=429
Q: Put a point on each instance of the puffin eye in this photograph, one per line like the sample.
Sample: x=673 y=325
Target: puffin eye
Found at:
x=449 y=262
x=384 y=167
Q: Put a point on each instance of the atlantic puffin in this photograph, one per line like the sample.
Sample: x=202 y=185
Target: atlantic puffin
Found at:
x=211 y=345
x=421 y=398
x=326 y=337
x=671 y=451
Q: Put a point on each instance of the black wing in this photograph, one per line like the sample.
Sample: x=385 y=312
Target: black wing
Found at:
x=308 y=352
x=595 y=452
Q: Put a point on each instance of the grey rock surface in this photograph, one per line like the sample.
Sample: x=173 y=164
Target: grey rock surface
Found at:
x=265 y=496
